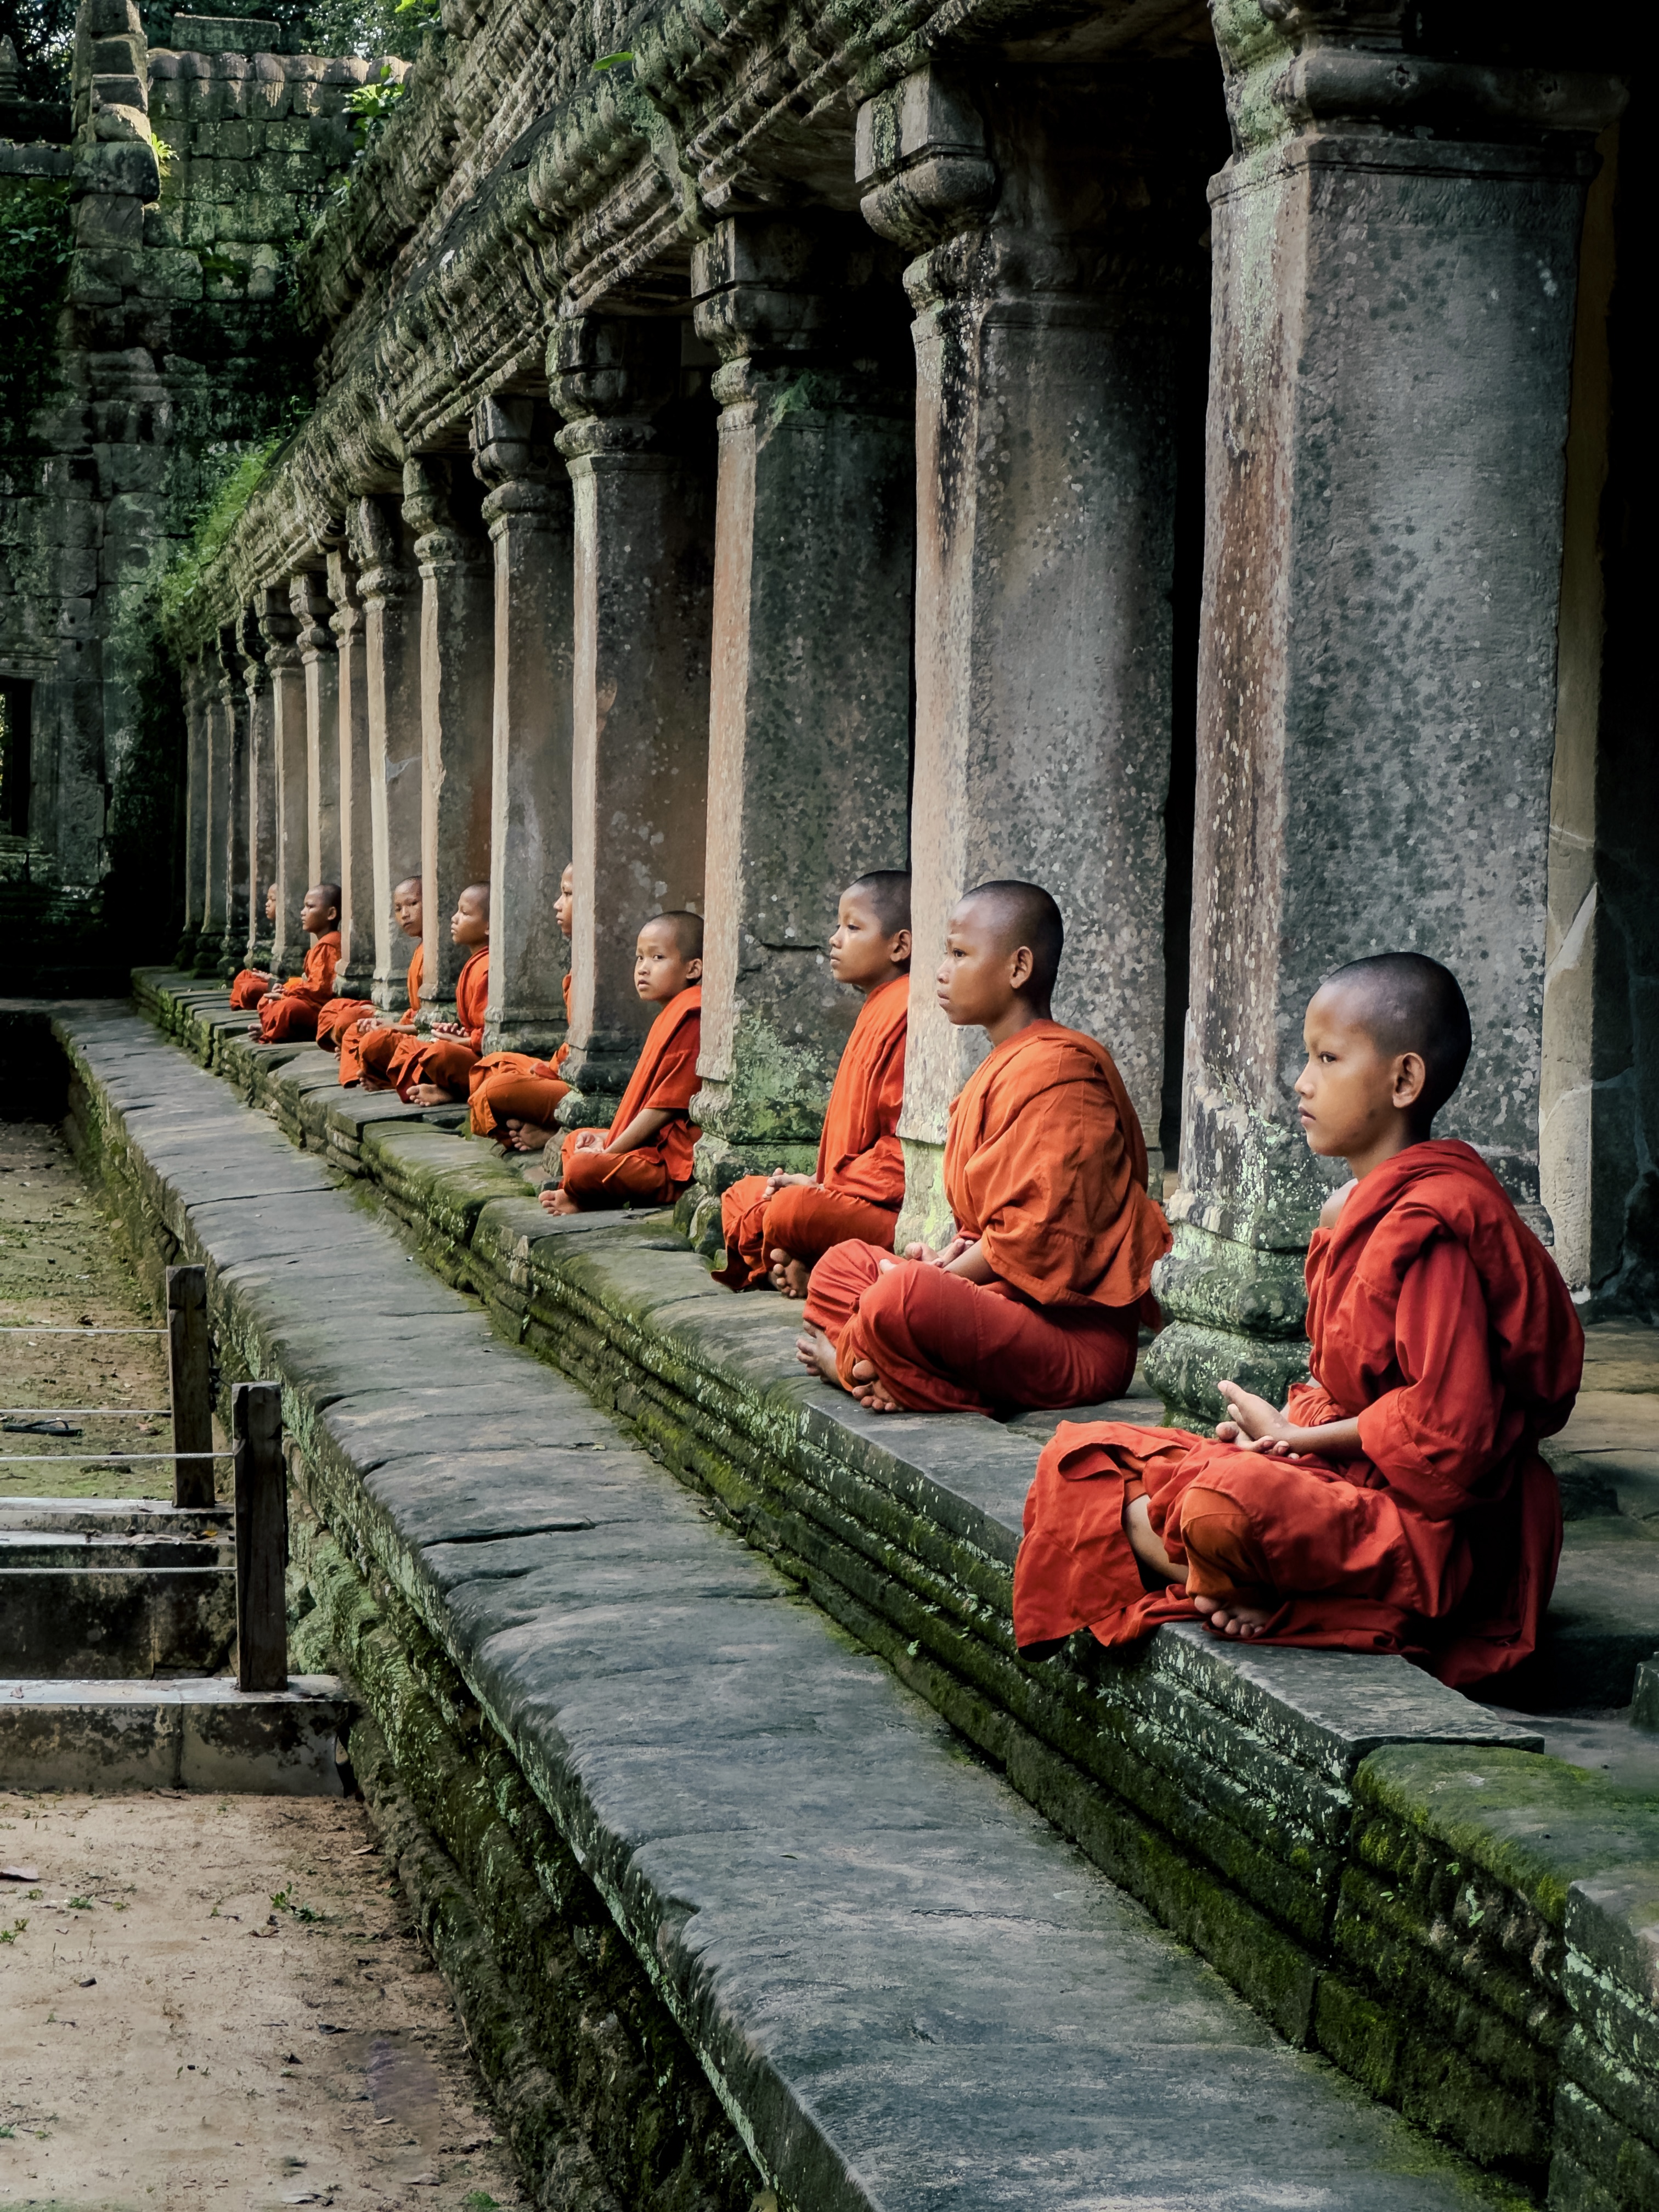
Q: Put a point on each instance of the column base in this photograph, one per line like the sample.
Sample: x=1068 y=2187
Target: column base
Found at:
x=540 y=1033
x=185 y=958
x=209 y=953
x=355 y=980
x=1232 y=1310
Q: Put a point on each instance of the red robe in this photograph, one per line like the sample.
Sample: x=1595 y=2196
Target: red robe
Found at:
x=1046 y=1165
x=519 y=1087
x=353 y=1039
x=248 y=986
x=1437 y=1319
x=860 y=1170
x=446 y=1061
x=293 y=1011
x=664 y=1076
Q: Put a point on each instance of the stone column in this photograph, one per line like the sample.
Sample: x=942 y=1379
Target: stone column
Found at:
x=308 y=599
x=457 y=658
x=216 y=813
x=1058 y=270
x=197 y=740
x=809 y=740
x=230 y=861
x=1396 y=244
x=529 y=528
x=288 y=737
x=354 y=976
x=643 y=596
x=391 y=656
x=261 y=789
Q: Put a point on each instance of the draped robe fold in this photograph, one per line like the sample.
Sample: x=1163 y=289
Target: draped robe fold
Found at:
x=1438 y=1320
x=664 y=1076
x=354 y=1040
x=292 y=1012
x=446 y=1061
x=518 y=1086
x=1045 y=1164
x=860 y=1168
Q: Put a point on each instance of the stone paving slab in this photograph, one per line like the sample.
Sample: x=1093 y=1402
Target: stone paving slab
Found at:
x=908 y=1987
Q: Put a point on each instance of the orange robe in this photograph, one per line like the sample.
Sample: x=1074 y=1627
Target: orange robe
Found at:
x=448 y=1061
x=1438 y=1320
x=248 y=986
x=352 y=1040
x=517 y=1086
x=664 y=1076
x=860 y=1170
x=293 y=1012
x=1046 y=1165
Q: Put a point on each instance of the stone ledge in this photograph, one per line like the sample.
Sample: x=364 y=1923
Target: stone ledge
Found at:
x=894 y=1977
x=1222 y=1787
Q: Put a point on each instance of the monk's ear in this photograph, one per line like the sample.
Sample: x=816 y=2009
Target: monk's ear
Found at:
x=898 y=948
x=1020 y=966
x=1410 y=1076
x=694 y=969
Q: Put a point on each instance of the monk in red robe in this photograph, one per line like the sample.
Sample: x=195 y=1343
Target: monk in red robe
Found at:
x=290 y=1012
x=777 y=1226
x=432 y=1069
x=249 y=985
x=644 y=1158
x=341 y=1017
x=1039 y=1299
x=1398 y=1502
x=515 y=1095
x=354 y=1021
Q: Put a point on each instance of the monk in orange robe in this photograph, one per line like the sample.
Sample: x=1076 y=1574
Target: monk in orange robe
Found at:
x=432 y=1070
x=1398 y=1502
x=290 y=1013
x=777 y=1226
x=1039 y=1299
x=345 y=1024
x=644 y=1158
x=515 y=1095
x=249 y=985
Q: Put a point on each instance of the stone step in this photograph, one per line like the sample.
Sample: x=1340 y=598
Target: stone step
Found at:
x=202 y=1733
x=142 y=1517
x=92 y=1552
x=117 y=1622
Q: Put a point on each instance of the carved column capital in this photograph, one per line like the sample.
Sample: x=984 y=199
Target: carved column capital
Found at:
x=922 y=160
x=277 y=626
x=442 y=544
x=511 y=462
x=375 y=545
x=1292 y=65
x=251 y=647
x=611 y=377
x=348 y=615
x=309 y=601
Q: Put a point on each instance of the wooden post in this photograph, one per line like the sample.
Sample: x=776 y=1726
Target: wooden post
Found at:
x=256 y=1410
x=192 y=1393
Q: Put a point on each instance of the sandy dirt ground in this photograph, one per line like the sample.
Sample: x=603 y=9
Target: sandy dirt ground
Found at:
x=62 y=1265
x=219 y=2002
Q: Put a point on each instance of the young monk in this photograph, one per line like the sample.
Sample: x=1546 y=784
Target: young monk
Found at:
x=1039 y=1299
x=1399 y=1502
x=514 y=1095
x=644 y=1158
x=291 y=1011
x=341 y=1018
x=249 y=985
x=777 y=1225
x=432 y=1070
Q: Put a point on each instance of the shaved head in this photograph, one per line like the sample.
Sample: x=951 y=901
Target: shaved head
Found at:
x=478 y=892
x=408 y=884
x=1022 y=913
x=688 y=932
x=1407 y=1002
x=888 y=891
x=330 y=893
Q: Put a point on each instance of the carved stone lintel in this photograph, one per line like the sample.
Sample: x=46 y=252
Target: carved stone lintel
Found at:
x=921 y=157
x=308 y=599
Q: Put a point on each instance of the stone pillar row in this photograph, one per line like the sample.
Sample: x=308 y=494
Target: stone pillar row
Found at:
x=868 y=594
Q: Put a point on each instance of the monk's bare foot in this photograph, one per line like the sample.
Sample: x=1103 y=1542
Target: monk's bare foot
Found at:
x=253 y=1032
x=788 y=1274
x=526 y=1137
x=374 y=1083
x=813 y=1349
x=431 y=1094
x=556 y=1201
x=1232 y=1618
x=871 y=1391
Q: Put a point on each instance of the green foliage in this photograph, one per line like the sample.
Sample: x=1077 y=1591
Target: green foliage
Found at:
x=36 y=241
x=613 y=61
x=371 y=107
x=244 y=472
x=43 y=32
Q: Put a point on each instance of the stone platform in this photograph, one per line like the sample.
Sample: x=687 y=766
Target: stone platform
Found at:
x=1303 y=1819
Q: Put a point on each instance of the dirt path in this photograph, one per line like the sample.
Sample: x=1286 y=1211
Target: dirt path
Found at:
x=170 y=2036
x=62 y=1265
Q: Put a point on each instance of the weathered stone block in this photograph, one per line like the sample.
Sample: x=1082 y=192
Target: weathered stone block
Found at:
x=103 y=219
